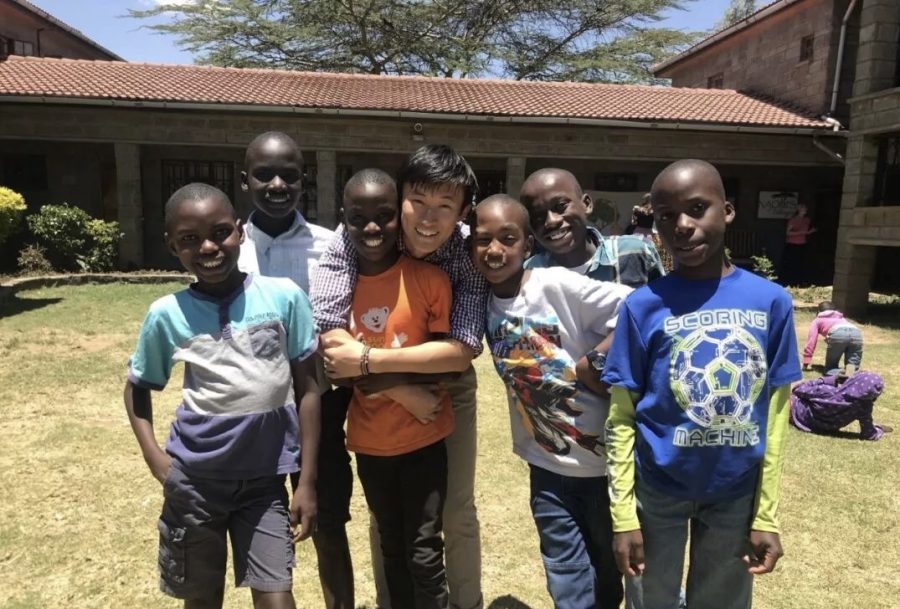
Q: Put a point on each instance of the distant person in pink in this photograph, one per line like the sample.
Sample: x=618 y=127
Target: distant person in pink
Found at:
x=844 y=339
x=799 y=228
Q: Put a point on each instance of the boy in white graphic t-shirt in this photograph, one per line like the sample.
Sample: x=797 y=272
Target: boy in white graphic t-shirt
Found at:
x=540 y=323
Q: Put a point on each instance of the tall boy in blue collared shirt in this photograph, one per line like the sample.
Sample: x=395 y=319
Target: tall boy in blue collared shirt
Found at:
x=250 y=407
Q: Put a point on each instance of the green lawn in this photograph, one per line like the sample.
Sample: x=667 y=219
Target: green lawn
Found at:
x=77 y=518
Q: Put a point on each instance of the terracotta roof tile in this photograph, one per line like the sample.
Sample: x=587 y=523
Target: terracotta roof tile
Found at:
x=83 y=79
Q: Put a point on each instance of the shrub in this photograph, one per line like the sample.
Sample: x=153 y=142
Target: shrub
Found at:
x=12 y=209
x=764 y=267
x=33 y=261
x=104 y=248
x=63 y=230
x=74 y=240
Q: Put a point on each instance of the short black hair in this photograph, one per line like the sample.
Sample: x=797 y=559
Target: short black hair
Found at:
x=506 y=201
x=279 y=136
x=697 y=166
x=195 y=191
x=437 y=165
x=369 y=176
x=826 y=305
x=543 y=173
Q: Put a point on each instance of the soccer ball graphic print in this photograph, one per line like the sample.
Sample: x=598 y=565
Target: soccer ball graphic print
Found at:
x=717 y=373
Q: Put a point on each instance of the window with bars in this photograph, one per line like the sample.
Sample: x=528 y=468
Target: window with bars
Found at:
x=887 y=177
x=716 y=81
x=176 y=174
x=807 y=45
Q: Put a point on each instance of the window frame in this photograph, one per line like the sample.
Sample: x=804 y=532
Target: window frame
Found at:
x=807 y=48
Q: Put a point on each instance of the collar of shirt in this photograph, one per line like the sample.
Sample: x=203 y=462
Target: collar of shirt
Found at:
x=264 y=240
x=602 y=255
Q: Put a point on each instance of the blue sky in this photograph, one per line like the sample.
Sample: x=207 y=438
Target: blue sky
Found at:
x=105 y=23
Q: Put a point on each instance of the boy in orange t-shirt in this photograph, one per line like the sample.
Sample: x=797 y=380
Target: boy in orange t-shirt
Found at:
x=398 y=435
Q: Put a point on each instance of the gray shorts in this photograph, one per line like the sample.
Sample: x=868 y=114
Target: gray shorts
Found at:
x=197 y=514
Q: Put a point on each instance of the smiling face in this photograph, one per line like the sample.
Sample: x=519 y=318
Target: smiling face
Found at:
x=372 y=222
x=429 y=214
x=500 y=243
x=273 y=176
x=558 y=213
x=206 y=238
x=691 y=215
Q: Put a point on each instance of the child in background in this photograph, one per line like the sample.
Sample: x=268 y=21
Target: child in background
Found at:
x=844 y=340
x=248 y=344
x=541 y=322
x=558 y=213
x=399 y=302
x=700 y=367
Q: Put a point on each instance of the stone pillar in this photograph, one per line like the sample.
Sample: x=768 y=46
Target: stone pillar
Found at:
x=515 y=175
x=130 y=205
x=854 y=264
x=326 y=185
x=853 y=268
x=879 y=29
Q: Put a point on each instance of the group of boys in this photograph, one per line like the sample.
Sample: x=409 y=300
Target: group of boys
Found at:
x=400 y=299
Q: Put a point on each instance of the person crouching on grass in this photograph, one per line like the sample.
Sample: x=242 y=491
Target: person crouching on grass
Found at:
x=398 y=434
x=541 y=323
x=250 y=408
x=700 y=367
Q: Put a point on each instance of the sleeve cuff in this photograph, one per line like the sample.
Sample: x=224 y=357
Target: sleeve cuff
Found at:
x=309 y=351
x=143 y=384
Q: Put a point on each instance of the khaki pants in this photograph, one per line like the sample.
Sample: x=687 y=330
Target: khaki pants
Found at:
x=462 y=534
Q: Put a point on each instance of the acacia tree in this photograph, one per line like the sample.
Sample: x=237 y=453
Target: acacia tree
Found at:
x=738 y=10
x=590 y=40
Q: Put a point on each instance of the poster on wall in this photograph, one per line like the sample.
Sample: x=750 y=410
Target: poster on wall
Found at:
x=612 y=210
x=777 y=204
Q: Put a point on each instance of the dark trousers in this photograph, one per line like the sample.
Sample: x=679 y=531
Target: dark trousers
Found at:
x=406 y=494
x=575 y=529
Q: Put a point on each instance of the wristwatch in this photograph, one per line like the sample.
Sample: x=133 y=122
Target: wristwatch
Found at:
x=597 y=361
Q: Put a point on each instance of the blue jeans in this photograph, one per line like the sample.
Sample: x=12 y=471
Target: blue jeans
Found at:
x=846 y=342
x=717 y=577
x=575 y=530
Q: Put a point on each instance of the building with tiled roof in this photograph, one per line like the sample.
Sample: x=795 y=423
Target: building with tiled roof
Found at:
x=835 y=58
x=27 y=30
x=117 y=138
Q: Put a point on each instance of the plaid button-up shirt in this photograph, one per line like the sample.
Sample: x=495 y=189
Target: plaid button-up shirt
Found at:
x=332 y=285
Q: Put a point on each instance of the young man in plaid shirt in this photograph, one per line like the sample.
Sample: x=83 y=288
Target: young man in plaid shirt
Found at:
x=437 y=188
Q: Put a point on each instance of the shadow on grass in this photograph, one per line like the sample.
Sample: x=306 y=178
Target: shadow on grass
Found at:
x=508 y=601
x=14 y=305
x=883 y=315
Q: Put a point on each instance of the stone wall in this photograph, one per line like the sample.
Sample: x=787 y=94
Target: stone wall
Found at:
x=143 y=138
x=875 y=111
x=764 y=58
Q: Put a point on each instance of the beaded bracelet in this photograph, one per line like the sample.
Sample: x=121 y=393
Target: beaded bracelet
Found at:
x=364 y=361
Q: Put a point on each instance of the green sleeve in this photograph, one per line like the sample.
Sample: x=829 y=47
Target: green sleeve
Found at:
x=768 y=491
x=620 y=432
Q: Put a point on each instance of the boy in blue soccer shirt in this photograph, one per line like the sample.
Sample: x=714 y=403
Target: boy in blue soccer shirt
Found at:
x=247 y=344
x=701 y=367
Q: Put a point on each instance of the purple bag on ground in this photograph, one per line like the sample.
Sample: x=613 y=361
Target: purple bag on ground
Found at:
x=825 y=405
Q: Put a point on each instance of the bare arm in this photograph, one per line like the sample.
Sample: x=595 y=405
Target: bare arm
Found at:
x=343 y=356
x=139 y=406
x=379 y=383
x=304 y=508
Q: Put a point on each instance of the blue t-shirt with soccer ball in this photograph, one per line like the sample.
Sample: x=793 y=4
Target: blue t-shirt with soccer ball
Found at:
x=703 y=356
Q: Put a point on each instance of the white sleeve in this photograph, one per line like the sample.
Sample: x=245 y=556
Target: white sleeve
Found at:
x=599 y=303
